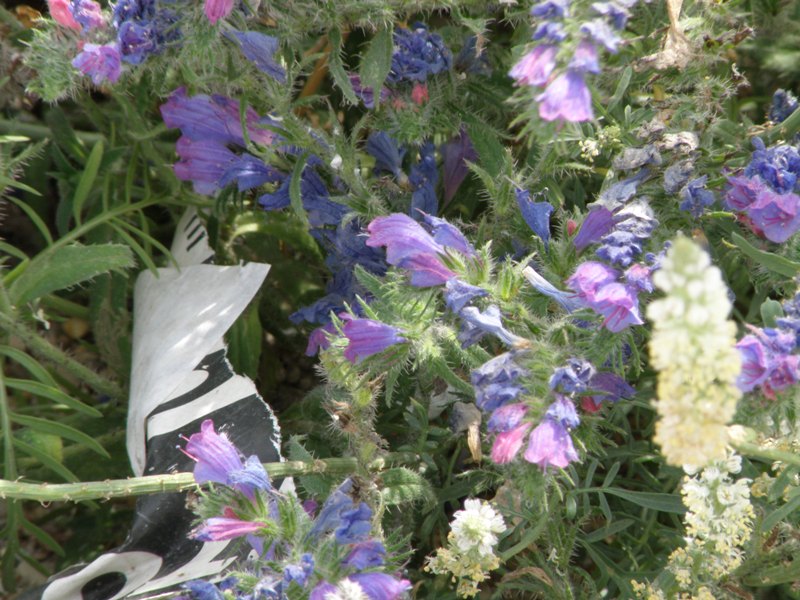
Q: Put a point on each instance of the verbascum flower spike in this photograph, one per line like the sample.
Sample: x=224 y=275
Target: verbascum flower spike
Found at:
x=693 y=348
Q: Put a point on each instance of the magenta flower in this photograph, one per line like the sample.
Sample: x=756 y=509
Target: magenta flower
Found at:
x=776 y=214
x=218 y=529
x=589 y=277
x=550 y=444
x=535 y=67
x=567 y=97
x=506 y=417
x=217 y=9
x=426 y=270
x=508 y=443
x=99 y=62
x=88 y=13
x=367 y=337
x=380 y=586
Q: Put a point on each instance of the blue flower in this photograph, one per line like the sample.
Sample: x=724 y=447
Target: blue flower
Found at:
x=299 y=573
x=599 y=31
x=778 y=166
x=633 y=226
x=202 y=590
x=536 y=215
x=260 y=49
x=696 y=198
x=387 y=153
x=448 y=235
x=496 y=382
x=354 y=525
x=563 y=412
x=477 y=323
x=572 y=378
x=249 y=172
x=598 y=223
x=423 y=179
x=616 y=12
x=455 y=155
x=137 y=41
x=204 y=163
x=364 y=555
x=551 y=9
x=458 y=294
x=550 y=32
x=417 y=55
x=783 y=104
x=367 y=337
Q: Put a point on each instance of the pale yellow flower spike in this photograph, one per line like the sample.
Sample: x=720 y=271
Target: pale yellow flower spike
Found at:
x=693 y=349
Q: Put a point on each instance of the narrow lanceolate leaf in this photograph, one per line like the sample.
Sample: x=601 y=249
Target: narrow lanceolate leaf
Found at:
x=87 y=180
x=31 y=364
x=44 y=458
x=61 y=430
x=51 y=393
x=773 y=262
x=377 y=61
x=337 y=68
x=68 y=266
x=401 y=485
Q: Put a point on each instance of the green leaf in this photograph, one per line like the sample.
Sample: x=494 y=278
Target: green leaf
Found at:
x=377 y=61
x=61 y=430
x=612 y=472
x=401 y=485
x=622 y=86
x=609 y=530
x=770 y=311
x=315 y=485
x=87 y=180
x=63 y=134
x=244 y=342
x=31 y=364
x=773 y=262
x=44 y=458
x=337 y=68
x=669 y=503
x=68 y=266
x=34 y=217
x=776 y=516
x=491 y=153
x=8 y=182
x=52 y=393
x=295 y=190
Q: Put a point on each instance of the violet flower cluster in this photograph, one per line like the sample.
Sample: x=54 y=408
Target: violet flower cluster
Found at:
x=144 y=27
x=567 y=96
x=766 y=192
x=320 y=556
x=418 y=54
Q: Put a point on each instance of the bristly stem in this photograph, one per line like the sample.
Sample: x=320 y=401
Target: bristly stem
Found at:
x=179 y=482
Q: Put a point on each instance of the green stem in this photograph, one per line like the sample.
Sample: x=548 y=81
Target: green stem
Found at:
x=46 y=351
x=9 y=464
x=178 y=482
x=784 y=130
x=771 y=454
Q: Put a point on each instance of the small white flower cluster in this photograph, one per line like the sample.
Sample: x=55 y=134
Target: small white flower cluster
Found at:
x=469 y=555
x=693 y=348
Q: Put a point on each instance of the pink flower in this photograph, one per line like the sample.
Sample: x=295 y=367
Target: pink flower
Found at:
x=99 y=62
x=507 y=444
x=419 y=93
x=217 y=9
x=567 y=98
x=59 y=10
x=550 y=444
x=536 y=66
x=217 y=529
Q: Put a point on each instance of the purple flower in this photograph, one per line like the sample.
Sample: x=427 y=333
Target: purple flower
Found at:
x=506 y=417
x=215 y=455
x=387 y=153
x=550 y=444
x=640 y=277
x=426 y=270
x=137 y=40
x=616 y=12
x=633 y=225
x=99 y=62
x=217 y=9
x=677 y=175
x=299 y=573
x=380 y=586
x=567 y=98
x=367 y=337
x=88 y=13
x=218 y=529
x=776 y=215
x=417 y=55
x=249 y=172
x=458 y=294
x=585 y=58
x=536 y=215
x=130 y=10
x=550 y=32
x=551 y=9
x=488 y=321
x=260 y=49
x=251 y=477
x=322 y=590
x=599 y=222
x=790 y=322
x=696 y=198
x=496 y=382
x=364 y=555
x=612 y=388
x=567 y=301
x=329 y=517
x=536 y=66
x=619 y=305
x=783 y=104
x=767 y=362
x=354 y=524
x=563 y=411
x=743 y=192
x=455 y=155
x=508 y=443
x=366 y=93
x=202 y=590
x=574 y=377
x=204 y=163
x=212 y=118
x=778 y=166
x=423 y=179
x=448 y=235
x=600 y=32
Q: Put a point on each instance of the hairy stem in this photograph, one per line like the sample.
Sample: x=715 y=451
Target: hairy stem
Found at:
x=178 y=482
